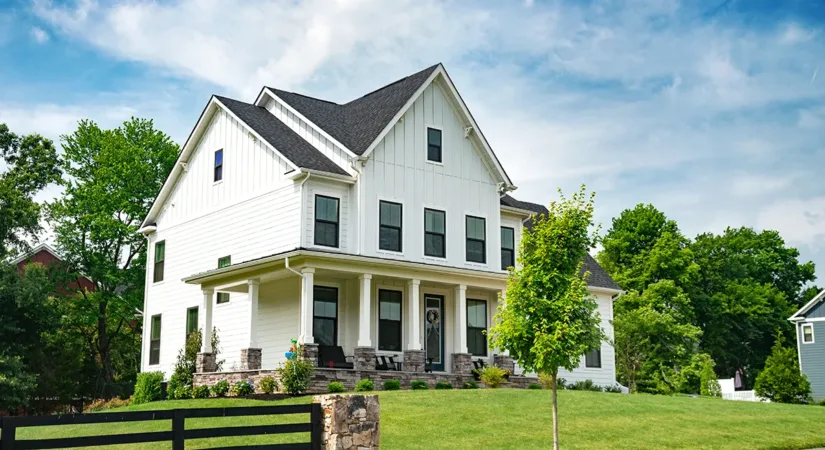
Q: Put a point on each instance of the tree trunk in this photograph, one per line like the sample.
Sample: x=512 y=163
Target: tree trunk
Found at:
x=103 y=344
x=555 y=412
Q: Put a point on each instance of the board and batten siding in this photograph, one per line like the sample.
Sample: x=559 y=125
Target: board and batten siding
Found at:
x=462 y=185
x=253 y=212
x=812 y=357
x=346 y=233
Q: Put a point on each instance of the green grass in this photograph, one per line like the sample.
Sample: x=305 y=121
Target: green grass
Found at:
x=518 y=419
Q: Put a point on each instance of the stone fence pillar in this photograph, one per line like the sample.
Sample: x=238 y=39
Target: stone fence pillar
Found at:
x=350 y=421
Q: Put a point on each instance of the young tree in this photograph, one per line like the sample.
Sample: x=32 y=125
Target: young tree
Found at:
x=113 y=178
x=547 y=319
x=781 y=380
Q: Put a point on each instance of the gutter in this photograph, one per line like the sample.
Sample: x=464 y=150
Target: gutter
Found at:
x=295 y=174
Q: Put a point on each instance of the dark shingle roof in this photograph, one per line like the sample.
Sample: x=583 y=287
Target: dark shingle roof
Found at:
x=598 y=277
x=279 y=135
x=358 y=123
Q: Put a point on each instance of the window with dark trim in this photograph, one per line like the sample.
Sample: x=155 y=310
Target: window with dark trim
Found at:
x=476 y=241
x=325 y=315
x=223 y=297
x=160 y=257
x=154 y=341
x=508 y=247
x=435 y=226
x=389 y=320
x=218 y=165
x=593 y=358
x=389 y=226
x=433 y=145
x=807 y=333
x=191 y=321
x=477 y=327
x=326 y=221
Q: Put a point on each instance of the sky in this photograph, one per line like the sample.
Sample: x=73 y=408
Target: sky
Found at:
x=713 y=111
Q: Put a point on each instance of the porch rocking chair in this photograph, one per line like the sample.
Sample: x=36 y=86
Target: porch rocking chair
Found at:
x=381 y=363
x=333 y=357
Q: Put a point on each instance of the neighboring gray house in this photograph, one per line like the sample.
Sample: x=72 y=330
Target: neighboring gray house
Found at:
x=810 y=340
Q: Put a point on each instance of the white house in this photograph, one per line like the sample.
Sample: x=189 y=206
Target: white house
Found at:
x=382 y=226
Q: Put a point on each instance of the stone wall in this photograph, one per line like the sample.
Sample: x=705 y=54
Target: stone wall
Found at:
x=250 y=358
x=351 y=422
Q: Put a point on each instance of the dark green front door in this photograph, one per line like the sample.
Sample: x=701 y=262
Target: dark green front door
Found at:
x=434 y=330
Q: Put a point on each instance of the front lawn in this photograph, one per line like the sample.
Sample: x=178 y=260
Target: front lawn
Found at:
x=518 y=419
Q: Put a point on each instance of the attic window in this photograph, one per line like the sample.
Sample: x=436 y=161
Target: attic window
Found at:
x=433 y=145
x=218 y=165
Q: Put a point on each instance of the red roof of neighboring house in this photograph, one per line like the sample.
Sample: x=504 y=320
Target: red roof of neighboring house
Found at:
x=46 y=255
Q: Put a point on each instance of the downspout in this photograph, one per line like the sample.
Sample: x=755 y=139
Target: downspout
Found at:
x=303 y=211
x=354 y=165
x=286 y=261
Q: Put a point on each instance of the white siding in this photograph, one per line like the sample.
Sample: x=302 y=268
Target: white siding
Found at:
x=307 y=131
x=254 y=212
x=398 y=171
x=346 y=232
x=278 y=318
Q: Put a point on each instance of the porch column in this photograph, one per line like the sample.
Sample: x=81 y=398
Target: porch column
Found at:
x=461 y=360
x=251 y=355
x=205 y=359
x=307 y=303
x=413 y=355
x=364 y=311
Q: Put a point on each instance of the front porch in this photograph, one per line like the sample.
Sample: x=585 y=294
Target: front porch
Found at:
x=420 y=315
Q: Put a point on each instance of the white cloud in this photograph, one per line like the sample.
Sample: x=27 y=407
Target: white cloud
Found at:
x=794 y=33
x=39 y=35
x=800 y=221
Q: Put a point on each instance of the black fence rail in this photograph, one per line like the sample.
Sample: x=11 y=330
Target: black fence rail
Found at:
x=178 y=435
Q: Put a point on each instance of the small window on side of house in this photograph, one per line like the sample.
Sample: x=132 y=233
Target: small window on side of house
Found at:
x=326 y=221
x=434 y=145
x=218 y=176
x=154 y=341
x=807 y=333
x=160 y=258
x=476 y=241
x=389 y=226
x=477 y=327
x=508 y=247
x=223 y=297
x=191 y=321
x=593 y=358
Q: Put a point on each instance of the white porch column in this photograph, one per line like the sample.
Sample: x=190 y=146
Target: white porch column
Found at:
x=206 y=334
x=364 y=311
x=414 y=324
x=460 y=319
x=307 y=303
x=252 y=318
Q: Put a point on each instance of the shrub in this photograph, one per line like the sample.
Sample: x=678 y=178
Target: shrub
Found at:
x=364 y=385
x=472 y=384
x=335 y=387
x=101 y=404
x=613 y=389
x=392 y=385
x=546 y=380
x=586 y=385
x=296 y=373
x=419 y=385
x=535 y=386
x=443 y=385
x=221 y=388
x=242 y=388
x=781 y=381
x=821 y=402
x=200 y=392
x=492 y=376
x=148 y=387
x=268 y=385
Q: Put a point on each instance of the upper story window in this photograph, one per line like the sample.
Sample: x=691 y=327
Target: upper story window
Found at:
x=218 y=165
x=226 y=261
x=154 y=341
x=593 y=358
x=508 y=247
x=389 y=233
x=191 y=321
x=807 y=333
x=433 y=145
x=160 y=257
x=435 y=226
x=389 y=320
x=476 y=245
x=326 y=221
x=477 y=327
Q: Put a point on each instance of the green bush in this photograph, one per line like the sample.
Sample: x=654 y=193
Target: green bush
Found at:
x=535 y=386
x=335 y=387
x=200 y=392
x=172 y=387
x=613 y=389
x=148 y=387
x=586 y=385
x=441 y=385
x=268 y=385
x=296 y=374
x=392 y=385
x=221 y=388
x=492 y=376
x=183 y=392
x=419 y=385
x=472 y=384
x=364 y=385
x=242 y=388
x=821 y=402
x=781 y=381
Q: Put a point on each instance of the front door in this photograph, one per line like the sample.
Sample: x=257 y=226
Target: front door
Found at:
x=434 y=330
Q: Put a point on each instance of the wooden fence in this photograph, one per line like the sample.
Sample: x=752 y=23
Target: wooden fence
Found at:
x=178 y=435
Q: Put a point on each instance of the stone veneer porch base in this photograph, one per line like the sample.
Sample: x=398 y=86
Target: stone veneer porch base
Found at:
x=322 y=377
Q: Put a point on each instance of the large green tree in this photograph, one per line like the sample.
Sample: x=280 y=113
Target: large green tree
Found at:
x=31 y=164
x=547 y=319
x=112 y=179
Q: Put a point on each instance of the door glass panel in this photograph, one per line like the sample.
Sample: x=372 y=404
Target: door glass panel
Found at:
x=432 y=321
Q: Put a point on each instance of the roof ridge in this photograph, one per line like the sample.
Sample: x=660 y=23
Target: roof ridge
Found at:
x=304 y=95
x=428 y=69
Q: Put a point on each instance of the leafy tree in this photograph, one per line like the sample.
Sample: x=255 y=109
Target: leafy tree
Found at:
x=113 y=178
x=16 y=384
x=781 y=380
x=548 y=319
x=32 y=165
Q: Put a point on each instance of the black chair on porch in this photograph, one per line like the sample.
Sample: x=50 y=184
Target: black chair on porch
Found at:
x=333 y=357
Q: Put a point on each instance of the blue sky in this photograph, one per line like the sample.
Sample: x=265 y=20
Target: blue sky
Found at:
x=712 y=111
